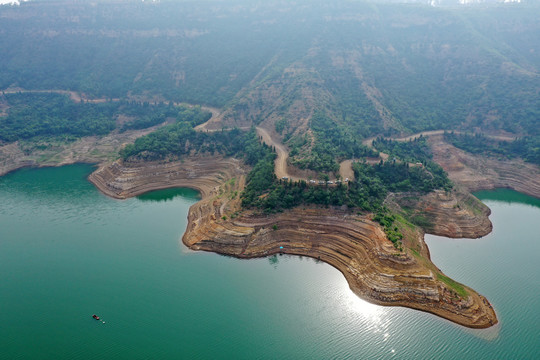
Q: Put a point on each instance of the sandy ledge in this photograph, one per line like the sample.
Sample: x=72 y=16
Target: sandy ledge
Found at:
x=353 y=244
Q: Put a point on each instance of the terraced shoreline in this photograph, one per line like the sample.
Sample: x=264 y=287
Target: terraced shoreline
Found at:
x=352 y=243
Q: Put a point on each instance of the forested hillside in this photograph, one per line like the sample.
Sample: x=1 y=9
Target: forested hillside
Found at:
x=324 y=75
x=29 y=115
x=373 y=68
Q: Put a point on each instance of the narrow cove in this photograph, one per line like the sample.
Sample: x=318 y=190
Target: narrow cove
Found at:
x=67 y=251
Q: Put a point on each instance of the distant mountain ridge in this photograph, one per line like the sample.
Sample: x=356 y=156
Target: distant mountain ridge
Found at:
x=366 y=68
x=450 y=2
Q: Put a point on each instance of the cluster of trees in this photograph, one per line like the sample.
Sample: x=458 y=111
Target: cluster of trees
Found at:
x=400 y=177
x=149 y=115
x=179 y=139
x=527 y=148
x=415 y=150
x=144 y=115
x=51 y=114
x=333 y=142
x=32 y=115
x=392 y=232
x=175 y=140
x=373 y=182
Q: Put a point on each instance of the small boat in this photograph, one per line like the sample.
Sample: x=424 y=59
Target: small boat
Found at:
x=95 y=317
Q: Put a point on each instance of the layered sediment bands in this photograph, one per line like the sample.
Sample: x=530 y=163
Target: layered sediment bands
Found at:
x=12 y=158
x=122 y=180
x=476 y=172
x=455 y=214
x=353 y=244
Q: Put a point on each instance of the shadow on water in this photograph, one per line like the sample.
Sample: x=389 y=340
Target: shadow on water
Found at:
x=274 y=260
x=507 y=196
x=48 y=183
x=168 y=195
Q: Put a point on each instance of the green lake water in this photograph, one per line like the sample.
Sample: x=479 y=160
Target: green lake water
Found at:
x=67 y=252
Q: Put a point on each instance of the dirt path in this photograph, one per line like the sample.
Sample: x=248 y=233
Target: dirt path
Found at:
x=441 y=132
x=73 y=95
x=369 y=142
x=345 y=167
x=282 y=154
x=214 y=119
x=345 y=170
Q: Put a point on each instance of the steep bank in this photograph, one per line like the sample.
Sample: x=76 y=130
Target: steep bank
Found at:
x=353 y=244
x=456 y=214
x=476 y=172
x=206 y=174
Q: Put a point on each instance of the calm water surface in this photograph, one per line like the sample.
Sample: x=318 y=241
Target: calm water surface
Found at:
x=67 y=252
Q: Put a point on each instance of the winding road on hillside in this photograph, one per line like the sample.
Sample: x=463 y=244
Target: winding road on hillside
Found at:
x=369 y=142
x=281 y=167
x=73 y=95
x=345 y=168
x=282 y=154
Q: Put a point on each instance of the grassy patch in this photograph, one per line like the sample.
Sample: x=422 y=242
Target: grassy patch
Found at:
x=422 y=220
x=400 y=219
x=457 y=287
x=474 y=205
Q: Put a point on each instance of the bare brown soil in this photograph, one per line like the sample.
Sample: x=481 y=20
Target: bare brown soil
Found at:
x=476 y=172
x=455 y=214
x=345 y=170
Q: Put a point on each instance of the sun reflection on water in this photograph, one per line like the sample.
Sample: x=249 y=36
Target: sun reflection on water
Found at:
x=359 y=306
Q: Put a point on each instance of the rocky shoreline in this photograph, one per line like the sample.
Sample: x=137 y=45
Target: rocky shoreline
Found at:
x=352 y=243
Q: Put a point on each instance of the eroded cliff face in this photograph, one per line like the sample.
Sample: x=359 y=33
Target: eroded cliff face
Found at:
x=352 y=243
x=454 y=214
x=475 y=172
x=206 y=174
